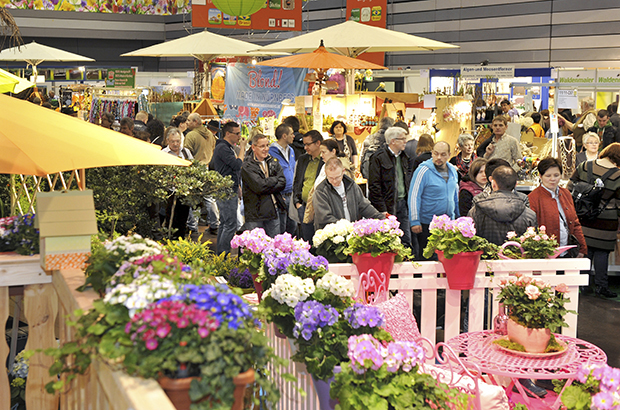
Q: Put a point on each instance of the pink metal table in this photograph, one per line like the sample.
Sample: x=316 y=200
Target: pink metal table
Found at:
x=478 y=348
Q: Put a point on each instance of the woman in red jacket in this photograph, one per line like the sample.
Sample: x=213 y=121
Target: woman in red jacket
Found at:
x=554 y=205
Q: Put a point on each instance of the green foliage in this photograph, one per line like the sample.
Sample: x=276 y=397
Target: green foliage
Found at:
x=189 y=251
x=535 y=244
x=101 y=331
x=5 y=195
x=552 y=347
x=378 y=243
x=453 y=242
x=381 y=389
x=577 y=397
x=127 y=197
x=333 y=252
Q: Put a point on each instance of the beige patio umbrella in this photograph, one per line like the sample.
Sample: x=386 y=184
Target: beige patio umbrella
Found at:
x=205 y=46
x=352 y=39
x=34 y=54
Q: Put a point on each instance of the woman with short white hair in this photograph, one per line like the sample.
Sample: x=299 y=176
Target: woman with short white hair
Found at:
x=591 y=143
x=465 y=157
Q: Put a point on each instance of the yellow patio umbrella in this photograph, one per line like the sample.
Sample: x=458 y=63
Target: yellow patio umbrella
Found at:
x=39 y=141
x=18 y=84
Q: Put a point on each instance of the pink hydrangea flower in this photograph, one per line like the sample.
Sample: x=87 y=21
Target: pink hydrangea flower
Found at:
x=532 y=292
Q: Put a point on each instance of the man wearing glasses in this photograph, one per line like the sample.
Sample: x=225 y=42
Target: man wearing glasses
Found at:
x=388 y=179
x=307 y=169
x=433 y=191
x=227 y=162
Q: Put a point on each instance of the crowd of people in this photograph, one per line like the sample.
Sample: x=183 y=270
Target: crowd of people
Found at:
x=302 y=182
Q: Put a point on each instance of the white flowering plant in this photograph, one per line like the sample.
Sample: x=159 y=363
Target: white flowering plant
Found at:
x=533 y=303
x=107 y=257
x=331 y=241
x=143 y=291
x=533 y=244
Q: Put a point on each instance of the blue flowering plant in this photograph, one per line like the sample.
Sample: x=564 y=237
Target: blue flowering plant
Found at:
x=452 y=237
x=298 y=262
x=380 y=375
x=322 y=333
x=240 y=278
x=18 y=234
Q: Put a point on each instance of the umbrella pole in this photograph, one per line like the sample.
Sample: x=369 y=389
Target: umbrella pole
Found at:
x=349 y=75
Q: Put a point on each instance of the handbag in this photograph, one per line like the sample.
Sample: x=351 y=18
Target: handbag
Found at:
x=572 y=240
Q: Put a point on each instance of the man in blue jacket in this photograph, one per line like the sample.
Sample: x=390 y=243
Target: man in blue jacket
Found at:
x=285 y=154
x=433 y=191
x=227 y=162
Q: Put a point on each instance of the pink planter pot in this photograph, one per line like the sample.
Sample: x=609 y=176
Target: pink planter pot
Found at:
x=381 y=264
x=533 y=340
x=461 y=269
x=258 y=286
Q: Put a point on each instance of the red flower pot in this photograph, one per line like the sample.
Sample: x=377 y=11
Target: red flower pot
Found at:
x=258 y=286
x=381 y=264
x=461 y=269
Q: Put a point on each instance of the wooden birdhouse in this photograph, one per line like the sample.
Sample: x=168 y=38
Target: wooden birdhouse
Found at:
x=66 y=221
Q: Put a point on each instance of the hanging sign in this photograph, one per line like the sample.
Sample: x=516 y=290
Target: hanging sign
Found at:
x=568 y=99
x=576 y=76
x=254 y=91
x=121 y=78
x=284 y=15
x=476 y=72
x=608 y=76
x=373 y=13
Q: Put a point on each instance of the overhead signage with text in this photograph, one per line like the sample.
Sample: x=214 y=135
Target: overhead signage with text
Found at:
x=568 y=99
x=254 y=91
x=477 y=72
x=608 y=76
x=576 y=76
x=373 y=13
x=282 y=15
x=121 y=78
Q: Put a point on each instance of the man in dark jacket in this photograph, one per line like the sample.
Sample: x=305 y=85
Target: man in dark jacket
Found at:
x=502 y=211
x=307 y=169
x=228 y=163
x=604 y=129
x=389 y=178
x=338 y=197
x=298 y=143
x=263 y=182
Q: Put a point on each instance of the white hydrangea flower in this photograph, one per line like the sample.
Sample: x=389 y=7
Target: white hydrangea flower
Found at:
x=141 y=292
x=291 y=290
x=339 y=230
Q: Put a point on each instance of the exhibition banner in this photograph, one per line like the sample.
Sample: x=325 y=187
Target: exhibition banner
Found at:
x=373 y=13
x=258 y=91
x=121 y=78
x=282 y=15
x=477 y=72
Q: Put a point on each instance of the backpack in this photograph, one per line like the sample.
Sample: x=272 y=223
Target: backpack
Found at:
x=587 y=196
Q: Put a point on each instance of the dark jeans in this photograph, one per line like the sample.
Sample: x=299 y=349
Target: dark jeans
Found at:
x=402 y=215
x=272 y=227
x=600 y=260
x=286 y=223
x=307 y=230
x=179 y=219
x=228 y=224
x=423 y=241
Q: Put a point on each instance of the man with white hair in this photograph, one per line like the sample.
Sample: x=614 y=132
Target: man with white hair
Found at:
x=389 y=178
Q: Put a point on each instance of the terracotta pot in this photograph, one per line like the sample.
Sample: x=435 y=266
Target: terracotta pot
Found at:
x=381 y=264
x=533 y=340
x=461 y=269
x=177 y=390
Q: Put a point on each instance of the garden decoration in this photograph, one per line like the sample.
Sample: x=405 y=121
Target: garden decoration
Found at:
x=532 y=245
x=158 y=320
x=239 y=7
x=458 y=249
x=374 y=246
x=331 y=241
x=379 y=376
x=597 y=388
x=535 y=310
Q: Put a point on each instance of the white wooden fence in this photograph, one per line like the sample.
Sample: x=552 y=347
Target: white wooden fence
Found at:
x=426 y=277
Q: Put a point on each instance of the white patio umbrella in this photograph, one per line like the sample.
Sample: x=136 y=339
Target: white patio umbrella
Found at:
x=34 y=54
x=205 y=46
x=352 y=39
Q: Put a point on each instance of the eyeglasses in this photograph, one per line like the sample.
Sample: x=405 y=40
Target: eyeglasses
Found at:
x=310 y=143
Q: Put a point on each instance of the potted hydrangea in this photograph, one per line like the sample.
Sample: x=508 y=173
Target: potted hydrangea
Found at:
x=382 y=376
x=331 y=241
x=375 y=245
x=458 y=249
x=535 y=309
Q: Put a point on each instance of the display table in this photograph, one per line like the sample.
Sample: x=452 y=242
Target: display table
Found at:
x=478 y=348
